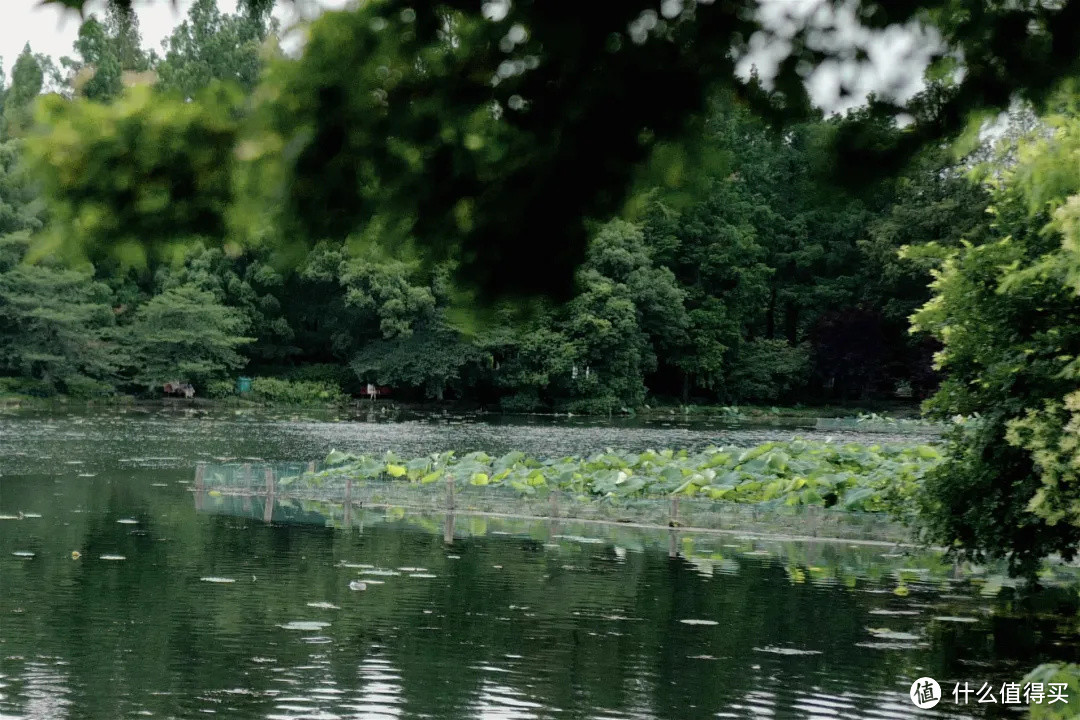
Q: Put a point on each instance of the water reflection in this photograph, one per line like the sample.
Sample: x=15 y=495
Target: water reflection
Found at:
x=217 y=611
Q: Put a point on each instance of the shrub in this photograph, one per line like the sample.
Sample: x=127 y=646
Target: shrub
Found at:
x=339 y=375
x=86 y=388
x=296 y=392
x=220 y=389
x=26 y=386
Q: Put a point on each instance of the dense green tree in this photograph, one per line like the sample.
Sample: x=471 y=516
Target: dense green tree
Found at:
x=106 y=49
x=1006 y=310
x=18 y=209
x=432 y=360
x=247 y=283
x=27 y=80
x=593 y=353
x=56 y=324
x=714 y=250
x=210 y=45
x=340 y=301
x=532 y=362
x=184 y=334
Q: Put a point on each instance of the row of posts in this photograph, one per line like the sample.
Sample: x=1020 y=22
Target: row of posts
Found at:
x=448 y=527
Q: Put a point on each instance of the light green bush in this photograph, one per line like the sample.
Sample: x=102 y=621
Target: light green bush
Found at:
x=296 y=392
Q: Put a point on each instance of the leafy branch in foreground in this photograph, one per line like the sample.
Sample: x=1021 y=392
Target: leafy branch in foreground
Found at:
x=1007 y=312
x=492 y=134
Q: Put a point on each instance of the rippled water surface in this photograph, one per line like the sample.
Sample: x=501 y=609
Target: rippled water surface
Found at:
x=172 y=613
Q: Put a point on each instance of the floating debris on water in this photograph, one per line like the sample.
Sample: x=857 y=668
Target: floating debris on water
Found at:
x=956 y=619
x=893 y=612
x=127 y=521
x=23 y=554
x=582 y=539
x=422 y=575
x=305 y=625
x=75 y=554
x=887 y=634
x=893 y=645
x=213 y=579
x=379 y=571
x=693 y=621
x=786 y=651
x=112 y=557
x=357 y=585
x=412 y=569
x=323 y=605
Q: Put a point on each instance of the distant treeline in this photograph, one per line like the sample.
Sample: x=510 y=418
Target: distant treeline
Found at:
x=770 y=286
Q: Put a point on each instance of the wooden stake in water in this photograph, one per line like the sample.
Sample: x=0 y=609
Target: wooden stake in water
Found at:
x=348 y=502
x=449 y=493
x=448 y=529
x=200 y=485
x=268 y=511
x=247 y=488
x=673 y=522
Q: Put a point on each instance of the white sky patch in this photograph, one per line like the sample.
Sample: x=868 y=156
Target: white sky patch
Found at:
x=896 y=56
x=52 y=29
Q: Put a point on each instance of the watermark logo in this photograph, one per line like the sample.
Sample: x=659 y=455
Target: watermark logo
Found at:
x=925 y=693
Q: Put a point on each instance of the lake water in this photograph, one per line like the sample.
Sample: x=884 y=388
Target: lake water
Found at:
x=170 y=612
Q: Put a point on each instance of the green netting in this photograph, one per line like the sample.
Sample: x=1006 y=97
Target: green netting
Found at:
x=293 y=492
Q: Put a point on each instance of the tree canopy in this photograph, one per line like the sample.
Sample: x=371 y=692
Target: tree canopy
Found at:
x=488 y=134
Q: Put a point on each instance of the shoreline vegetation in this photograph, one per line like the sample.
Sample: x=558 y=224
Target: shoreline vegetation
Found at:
x=900 y=412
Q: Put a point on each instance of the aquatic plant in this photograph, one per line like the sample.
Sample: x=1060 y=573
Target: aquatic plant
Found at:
x=868 y=478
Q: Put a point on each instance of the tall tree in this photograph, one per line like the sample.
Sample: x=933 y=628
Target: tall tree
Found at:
x=105 y=49
x=56 y=324
x=210 y=45
x=27 y=80
x=184 y=334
